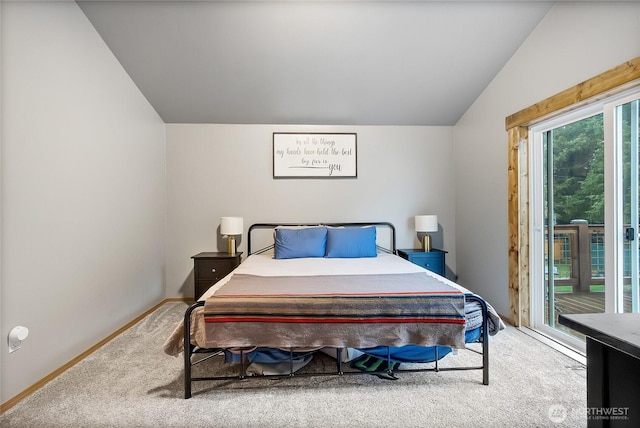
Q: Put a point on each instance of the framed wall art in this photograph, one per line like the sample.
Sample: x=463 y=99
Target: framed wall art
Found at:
x=314 y=155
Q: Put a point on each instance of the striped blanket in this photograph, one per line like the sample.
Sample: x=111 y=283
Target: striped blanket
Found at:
x=335 y=310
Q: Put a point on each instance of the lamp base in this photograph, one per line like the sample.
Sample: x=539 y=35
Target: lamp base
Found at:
x=426 y=243
x=231 y=245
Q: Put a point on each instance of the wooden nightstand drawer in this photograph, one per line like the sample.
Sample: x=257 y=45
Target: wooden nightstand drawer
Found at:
x=209 y=268
x=214 y=269
x=434 y=264
x=203 y=285
x=431 y=260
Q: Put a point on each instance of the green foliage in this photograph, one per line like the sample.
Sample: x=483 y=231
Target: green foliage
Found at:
x=578 y=169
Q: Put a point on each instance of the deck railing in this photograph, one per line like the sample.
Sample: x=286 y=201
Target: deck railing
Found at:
x=578 y=256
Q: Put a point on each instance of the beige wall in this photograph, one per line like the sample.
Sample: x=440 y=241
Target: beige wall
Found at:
x=83 y=191
x=574 y=42
x=221 y=170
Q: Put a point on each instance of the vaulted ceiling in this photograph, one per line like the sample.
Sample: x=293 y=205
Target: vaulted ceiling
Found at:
x=323 y=62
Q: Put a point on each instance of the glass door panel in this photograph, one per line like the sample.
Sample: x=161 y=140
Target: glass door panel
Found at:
x=627 y=116
x=585 y=224
x=573 y=183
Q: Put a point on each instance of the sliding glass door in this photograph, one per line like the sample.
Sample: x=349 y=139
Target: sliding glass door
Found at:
x=584 y=205
x=622 y=118
x=572 y=218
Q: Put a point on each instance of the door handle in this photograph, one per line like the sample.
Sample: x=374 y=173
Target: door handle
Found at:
x=630 y=234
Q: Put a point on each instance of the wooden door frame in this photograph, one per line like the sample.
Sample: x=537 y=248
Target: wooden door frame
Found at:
x=517 y=125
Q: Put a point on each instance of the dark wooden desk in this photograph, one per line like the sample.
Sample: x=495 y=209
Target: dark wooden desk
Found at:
x=613 y=367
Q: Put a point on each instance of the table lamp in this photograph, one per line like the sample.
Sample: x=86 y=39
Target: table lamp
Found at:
x=426 y=224
x=230 y=227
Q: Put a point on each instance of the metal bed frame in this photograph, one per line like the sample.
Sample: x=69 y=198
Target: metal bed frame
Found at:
x=191 y=350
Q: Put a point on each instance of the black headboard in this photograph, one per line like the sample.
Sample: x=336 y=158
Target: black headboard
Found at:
x=377 y=224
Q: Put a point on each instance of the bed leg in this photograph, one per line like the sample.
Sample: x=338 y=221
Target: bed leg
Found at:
x=291 y=362
x=484 y=335
x=187 y=371
x=186 y=352
x=339 y=360
x=485 y=356
x=243 y=369
x=188 y=348
x=485 y=343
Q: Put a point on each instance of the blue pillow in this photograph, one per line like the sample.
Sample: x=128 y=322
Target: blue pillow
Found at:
x=350 y=242
x=297 y=243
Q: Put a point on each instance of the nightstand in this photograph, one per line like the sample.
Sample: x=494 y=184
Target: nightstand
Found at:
x=432 y=260
x=209 y=268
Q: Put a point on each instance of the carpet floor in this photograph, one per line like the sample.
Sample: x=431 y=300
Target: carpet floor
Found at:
x=130 y=382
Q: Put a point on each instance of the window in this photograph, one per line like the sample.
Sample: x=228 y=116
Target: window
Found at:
x=615 y=80
x=571 y=200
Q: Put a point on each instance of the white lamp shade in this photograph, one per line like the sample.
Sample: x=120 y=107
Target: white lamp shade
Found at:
x=426 y=223
x=231 y=225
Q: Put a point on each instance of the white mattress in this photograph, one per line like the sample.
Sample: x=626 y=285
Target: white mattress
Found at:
x=265 y=265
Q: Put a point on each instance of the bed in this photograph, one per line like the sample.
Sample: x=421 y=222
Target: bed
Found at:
x=338 y=288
